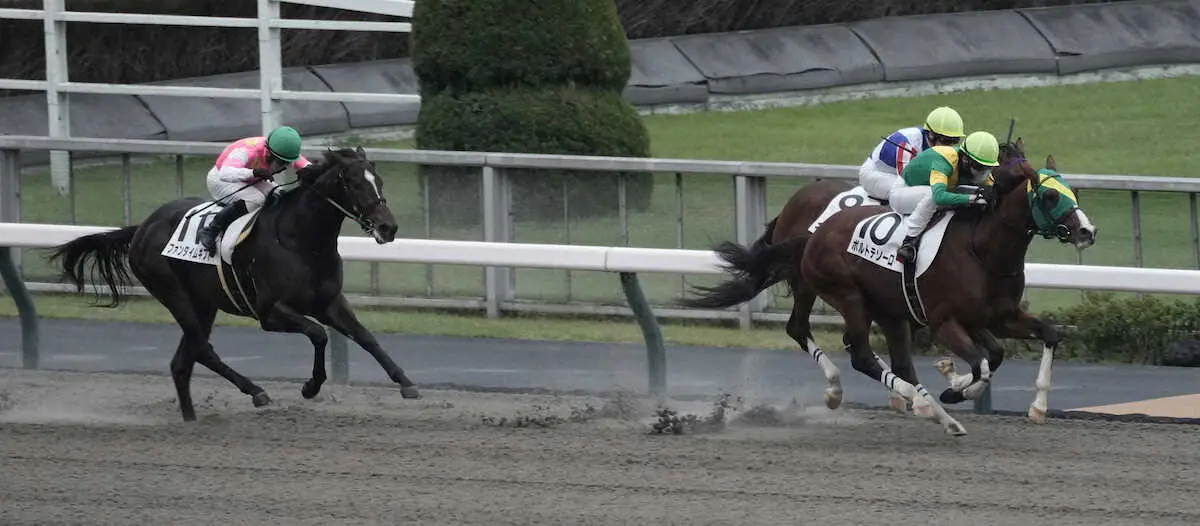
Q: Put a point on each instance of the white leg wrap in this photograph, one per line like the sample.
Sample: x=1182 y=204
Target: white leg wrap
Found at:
x=833 y=393
x=1037 y=410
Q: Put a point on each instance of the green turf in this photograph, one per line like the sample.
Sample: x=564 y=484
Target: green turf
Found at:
x=1139 y=127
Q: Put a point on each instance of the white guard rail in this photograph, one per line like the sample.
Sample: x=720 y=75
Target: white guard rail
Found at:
x=632 y=260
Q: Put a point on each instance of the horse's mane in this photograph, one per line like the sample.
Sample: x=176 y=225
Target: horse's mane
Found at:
x=312 y=174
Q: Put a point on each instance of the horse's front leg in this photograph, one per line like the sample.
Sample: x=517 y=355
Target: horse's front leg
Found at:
x=1023 y=326
x=283 y=318
x=995 y=357
x=339 y=316
x=955 y=337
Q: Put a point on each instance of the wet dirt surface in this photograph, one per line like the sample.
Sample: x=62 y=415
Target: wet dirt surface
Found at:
x=91 y=448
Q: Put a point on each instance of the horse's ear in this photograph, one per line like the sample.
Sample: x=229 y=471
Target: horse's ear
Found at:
x=1050 y=197
x=1050 y=164
x=359 y=150
x=1020 y=143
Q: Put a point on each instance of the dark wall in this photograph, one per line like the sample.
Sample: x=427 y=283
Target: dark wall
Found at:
x=120 y=53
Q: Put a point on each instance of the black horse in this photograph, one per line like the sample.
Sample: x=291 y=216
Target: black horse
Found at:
x=286 y=268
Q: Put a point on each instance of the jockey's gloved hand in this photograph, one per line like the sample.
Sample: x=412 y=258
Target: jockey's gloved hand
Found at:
x=985 y=196
x=263 y=174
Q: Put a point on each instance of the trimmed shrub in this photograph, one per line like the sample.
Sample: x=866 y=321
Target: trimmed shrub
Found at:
x=547 y=79
x=555 y=120
x=1142 y=330
x=466 y=45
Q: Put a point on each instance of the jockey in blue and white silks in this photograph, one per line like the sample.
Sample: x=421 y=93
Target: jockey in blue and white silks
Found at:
x=880 y=173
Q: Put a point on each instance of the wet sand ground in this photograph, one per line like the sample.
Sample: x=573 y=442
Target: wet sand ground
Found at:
x=88 y=448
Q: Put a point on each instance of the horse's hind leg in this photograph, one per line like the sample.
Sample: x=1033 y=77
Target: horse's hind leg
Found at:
x=799 y=329
x=207 y=357
x=864 y=360
x=339 y=316
x=193 y=346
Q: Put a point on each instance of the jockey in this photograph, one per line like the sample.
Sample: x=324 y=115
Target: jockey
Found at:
x=881 y=171
x=253 y=160
x=931 y=175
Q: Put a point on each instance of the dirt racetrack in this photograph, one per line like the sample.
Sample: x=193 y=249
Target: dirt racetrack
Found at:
x=110 y=449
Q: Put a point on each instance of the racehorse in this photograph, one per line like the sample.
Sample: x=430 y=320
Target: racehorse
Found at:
x=287 y=259
x=972 y=284
x=775 y=257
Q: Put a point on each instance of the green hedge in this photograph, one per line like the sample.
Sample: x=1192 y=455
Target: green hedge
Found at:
x=465 y=45
x=1106 y=327
x=552 y=120
x=526 y=77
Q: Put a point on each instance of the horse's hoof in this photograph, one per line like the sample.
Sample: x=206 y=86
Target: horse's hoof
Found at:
x=955 y=429
x=310 y=390
x=945 y=366
x=898 y=403
x=410 y=392
x=950 y=396
x=261 y=399
x=833 y=398
x=1037 y=416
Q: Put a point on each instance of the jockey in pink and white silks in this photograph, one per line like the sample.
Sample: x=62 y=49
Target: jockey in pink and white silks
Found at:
x=253 y=160
x=880 y=173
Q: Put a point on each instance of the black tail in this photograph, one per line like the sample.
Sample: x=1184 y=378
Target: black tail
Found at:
x=111 y=253
x=753 y=270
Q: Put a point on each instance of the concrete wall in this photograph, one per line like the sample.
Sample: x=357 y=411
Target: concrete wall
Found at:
x=692 y=69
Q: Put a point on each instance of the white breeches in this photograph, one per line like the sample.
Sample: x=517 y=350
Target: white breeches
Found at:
x=921 y=213
x=254 y=196
x=875 y=182
x=904 y=199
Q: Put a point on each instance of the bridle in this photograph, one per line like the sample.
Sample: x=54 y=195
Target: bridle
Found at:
x=355 y=213
x=1056 y=229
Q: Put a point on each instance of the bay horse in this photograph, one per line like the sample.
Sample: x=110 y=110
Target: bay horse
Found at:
x=973 y=283
x=288 y=261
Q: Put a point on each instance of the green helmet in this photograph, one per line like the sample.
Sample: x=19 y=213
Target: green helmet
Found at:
x=284 y=142
x=983 y=148
x=943 y=120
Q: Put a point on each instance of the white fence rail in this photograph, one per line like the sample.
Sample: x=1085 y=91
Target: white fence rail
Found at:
x=58 y=87
x=749 y=203
x=630 y=259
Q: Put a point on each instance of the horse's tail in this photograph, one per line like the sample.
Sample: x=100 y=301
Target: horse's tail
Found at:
x=110 y=252
x=754 y=269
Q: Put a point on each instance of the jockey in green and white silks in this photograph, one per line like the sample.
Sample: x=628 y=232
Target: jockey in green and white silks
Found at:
x=880 y=173
x=930 y=177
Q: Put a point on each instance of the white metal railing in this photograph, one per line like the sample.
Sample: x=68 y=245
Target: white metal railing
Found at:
x=750 y=202
x=58 y=87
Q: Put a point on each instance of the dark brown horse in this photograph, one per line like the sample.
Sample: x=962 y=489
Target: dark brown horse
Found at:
x=973 y=283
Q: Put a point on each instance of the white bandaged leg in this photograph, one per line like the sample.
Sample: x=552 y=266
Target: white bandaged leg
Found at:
x=1037 y=410
x=833 y=393
x=923 y=403
x=877 y=183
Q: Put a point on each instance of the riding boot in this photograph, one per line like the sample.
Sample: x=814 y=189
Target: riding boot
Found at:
x=208 y=235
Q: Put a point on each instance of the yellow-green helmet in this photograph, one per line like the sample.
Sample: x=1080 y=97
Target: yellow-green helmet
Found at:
x=943 y=120
x=983 y=148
